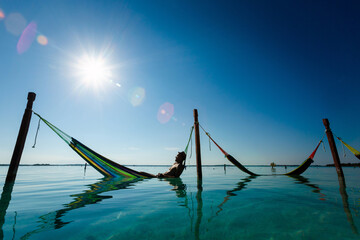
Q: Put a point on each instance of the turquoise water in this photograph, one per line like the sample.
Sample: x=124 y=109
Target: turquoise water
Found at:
x=61 y=202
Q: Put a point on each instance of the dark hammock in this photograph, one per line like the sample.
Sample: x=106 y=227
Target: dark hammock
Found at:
x=306 y=164
x=102 y=164
x=297 y=171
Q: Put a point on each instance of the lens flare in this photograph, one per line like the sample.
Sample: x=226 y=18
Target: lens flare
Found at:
x=165 y=112
x=26 y=38
x=2 y=14
x=93 y=70
x=137 y=96
x=15 y=23
x=42 y=40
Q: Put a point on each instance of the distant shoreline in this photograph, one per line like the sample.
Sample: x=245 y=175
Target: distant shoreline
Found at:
x=345 y=165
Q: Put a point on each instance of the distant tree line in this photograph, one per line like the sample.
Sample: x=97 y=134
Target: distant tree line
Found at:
x=345 y=165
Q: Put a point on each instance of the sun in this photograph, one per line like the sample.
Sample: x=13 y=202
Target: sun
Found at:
x=94 y=71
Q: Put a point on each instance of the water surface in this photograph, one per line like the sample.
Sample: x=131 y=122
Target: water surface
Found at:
x=63 y=202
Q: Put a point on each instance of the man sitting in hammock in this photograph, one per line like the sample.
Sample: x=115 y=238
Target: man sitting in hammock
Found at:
x=176 y=169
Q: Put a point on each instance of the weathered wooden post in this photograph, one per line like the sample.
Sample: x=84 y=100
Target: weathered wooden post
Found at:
x=197 y=145
x=20 y=142
x=334 y=151
x=340 y=173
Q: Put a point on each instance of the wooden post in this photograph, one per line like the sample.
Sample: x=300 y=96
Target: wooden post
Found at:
x=20 y=142
x=340 y=173
x=334 y=151
x=197 y=145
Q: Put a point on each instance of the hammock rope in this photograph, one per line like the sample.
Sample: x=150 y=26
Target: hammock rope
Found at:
x=351 y=149
x=342 y=145
x=187 y=145
x=190 y=140
x=222 y=150
x=37 y=131
x=67 y=138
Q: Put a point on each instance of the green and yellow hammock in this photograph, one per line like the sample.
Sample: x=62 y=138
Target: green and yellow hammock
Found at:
x=353 y=150
x=102 y=164
x=297 y=171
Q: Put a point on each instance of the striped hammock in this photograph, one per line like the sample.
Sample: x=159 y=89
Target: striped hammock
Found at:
x=102 y=164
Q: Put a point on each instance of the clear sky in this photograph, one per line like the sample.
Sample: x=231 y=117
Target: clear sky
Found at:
x=262 y=74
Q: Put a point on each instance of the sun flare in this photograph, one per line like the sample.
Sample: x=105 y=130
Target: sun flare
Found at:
x=93 y=71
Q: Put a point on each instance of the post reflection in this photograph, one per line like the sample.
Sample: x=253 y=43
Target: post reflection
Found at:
x=343 y=193
x=4 y=204
x=199 y=208
x=52 y=220
x=345 y=200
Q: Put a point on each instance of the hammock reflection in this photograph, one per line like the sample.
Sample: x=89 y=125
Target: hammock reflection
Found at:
x=240 y=186
x=53 y=220
x=305 y=181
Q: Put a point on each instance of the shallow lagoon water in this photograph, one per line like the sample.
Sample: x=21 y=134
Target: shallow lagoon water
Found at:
x=63 y=202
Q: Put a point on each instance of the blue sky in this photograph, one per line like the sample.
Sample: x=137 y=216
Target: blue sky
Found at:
x=262 y=75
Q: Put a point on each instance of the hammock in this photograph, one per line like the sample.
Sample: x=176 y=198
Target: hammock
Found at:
x=302 y=168
x=102 y=164
x=353 y=150
x=297 y=171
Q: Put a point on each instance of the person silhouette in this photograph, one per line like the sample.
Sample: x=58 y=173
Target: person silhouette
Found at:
x=176 y=169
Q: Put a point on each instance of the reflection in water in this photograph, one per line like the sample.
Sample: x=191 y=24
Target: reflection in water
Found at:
x=345 y=200
x=4 y=204
x=343 y=193
x=240 y=185
x=180 y=189
x=53 y=220
x=303 y=180
x=199 y=212
x=14 y=225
